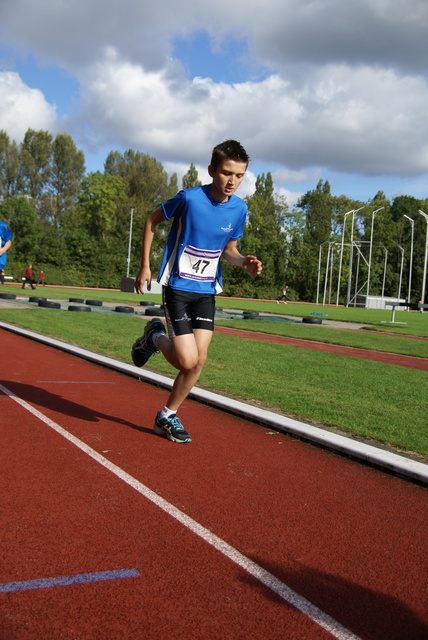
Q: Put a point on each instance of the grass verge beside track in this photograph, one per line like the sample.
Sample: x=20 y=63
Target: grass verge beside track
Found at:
x=342 y=337
x=369 y=400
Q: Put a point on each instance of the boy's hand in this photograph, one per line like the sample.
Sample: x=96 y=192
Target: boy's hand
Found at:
x=144 y=277
x=252 y=265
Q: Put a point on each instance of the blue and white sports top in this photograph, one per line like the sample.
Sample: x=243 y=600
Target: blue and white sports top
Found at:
x=201 y=229
x=5 y=235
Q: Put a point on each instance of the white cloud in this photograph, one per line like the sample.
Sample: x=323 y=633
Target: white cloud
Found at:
x=22 y=108
x=363 y=120
x=297 y=177
x=291 y=197
x=344 y=88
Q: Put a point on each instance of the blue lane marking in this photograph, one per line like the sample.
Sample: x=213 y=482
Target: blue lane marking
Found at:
x=81 y=578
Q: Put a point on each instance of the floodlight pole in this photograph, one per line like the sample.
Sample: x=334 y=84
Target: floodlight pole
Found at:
x=424 y=279
x=319 y=270
x=371 y=249
x=357 y=274
x=412 y=222
x=331 y=270
x=326 y=272
x=352 y=253
x=341 y=256
x=401 y=272
x=327 y=269
x=129 y=243
x=384 y=272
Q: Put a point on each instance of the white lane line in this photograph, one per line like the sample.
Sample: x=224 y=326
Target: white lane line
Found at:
x=267 y=579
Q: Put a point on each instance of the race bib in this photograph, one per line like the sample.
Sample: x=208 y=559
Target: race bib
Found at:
x=199 y=264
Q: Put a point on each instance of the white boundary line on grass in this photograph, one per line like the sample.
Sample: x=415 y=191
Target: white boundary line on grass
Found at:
x=287 y=594
x=401 y=465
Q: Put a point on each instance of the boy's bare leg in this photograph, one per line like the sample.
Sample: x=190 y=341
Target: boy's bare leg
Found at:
x=188 y=354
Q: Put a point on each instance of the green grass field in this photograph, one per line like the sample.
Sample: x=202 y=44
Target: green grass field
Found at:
x=369 y=400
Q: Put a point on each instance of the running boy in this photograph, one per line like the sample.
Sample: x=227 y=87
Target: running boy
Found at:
x=208 y=221
x=5 y=243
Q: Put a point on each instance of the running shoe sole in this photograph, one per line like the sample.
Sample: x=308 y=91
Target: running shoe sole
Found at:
x=140 y=353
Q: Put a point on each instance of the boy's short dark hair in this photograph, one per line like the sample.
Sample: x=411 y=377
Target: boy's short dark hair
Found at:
x=229 y=150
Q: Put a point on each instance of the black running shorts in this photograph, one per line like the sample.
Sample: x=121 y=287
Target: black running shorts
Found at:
x=185 y=311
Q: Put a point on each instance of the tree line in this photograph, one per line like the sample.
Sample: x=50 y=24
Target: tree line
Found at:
x=76 y=226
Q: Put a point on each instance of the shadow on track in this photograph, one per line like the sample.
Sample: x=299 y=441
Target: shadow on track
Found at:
x=369 y=614
x=55 y=402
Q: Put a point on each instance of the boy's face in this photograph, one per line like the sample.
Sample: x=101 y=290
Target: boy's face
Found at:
x=226 y=178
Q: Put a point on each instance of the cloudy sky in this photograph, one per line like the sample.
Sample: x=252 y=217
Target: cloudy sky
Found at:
x=331 y=89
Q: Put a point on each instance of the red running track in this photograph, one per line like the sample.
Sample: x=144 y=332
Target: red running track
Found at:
x=238 y=518
x=378 y=356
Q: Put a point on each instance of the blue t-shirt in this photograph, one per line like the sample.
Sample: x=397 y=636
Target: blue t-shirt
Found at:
x=201 y=229
x=5 y=235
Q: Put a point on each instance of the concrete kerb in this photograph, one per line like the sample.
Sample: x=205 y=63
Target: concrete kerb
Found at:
x=387 y=460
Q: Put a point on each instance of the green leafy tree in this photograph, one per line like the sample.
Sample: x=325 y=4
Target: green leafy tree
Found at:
x=324 y=220
x=68 y=169
x=9 y=167
x=172 y=185
x=409 y=206
x=78 y=228
x=81 y=262
x=36 y=154
x=317 y=206
x=377 y=215
x=293 y=226
x=4 y=147
x=147 y=186
x=145 y=179
x=26 y=229
x=379 y=198
x=91 y=231
x=264 y=237
x=98 y=202
x=191 y=178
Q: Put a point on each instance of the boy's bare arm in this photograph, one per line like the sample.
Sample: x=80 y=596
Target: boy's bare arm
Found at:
x=250 y=264
x=145 y=275
x=5 y=247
